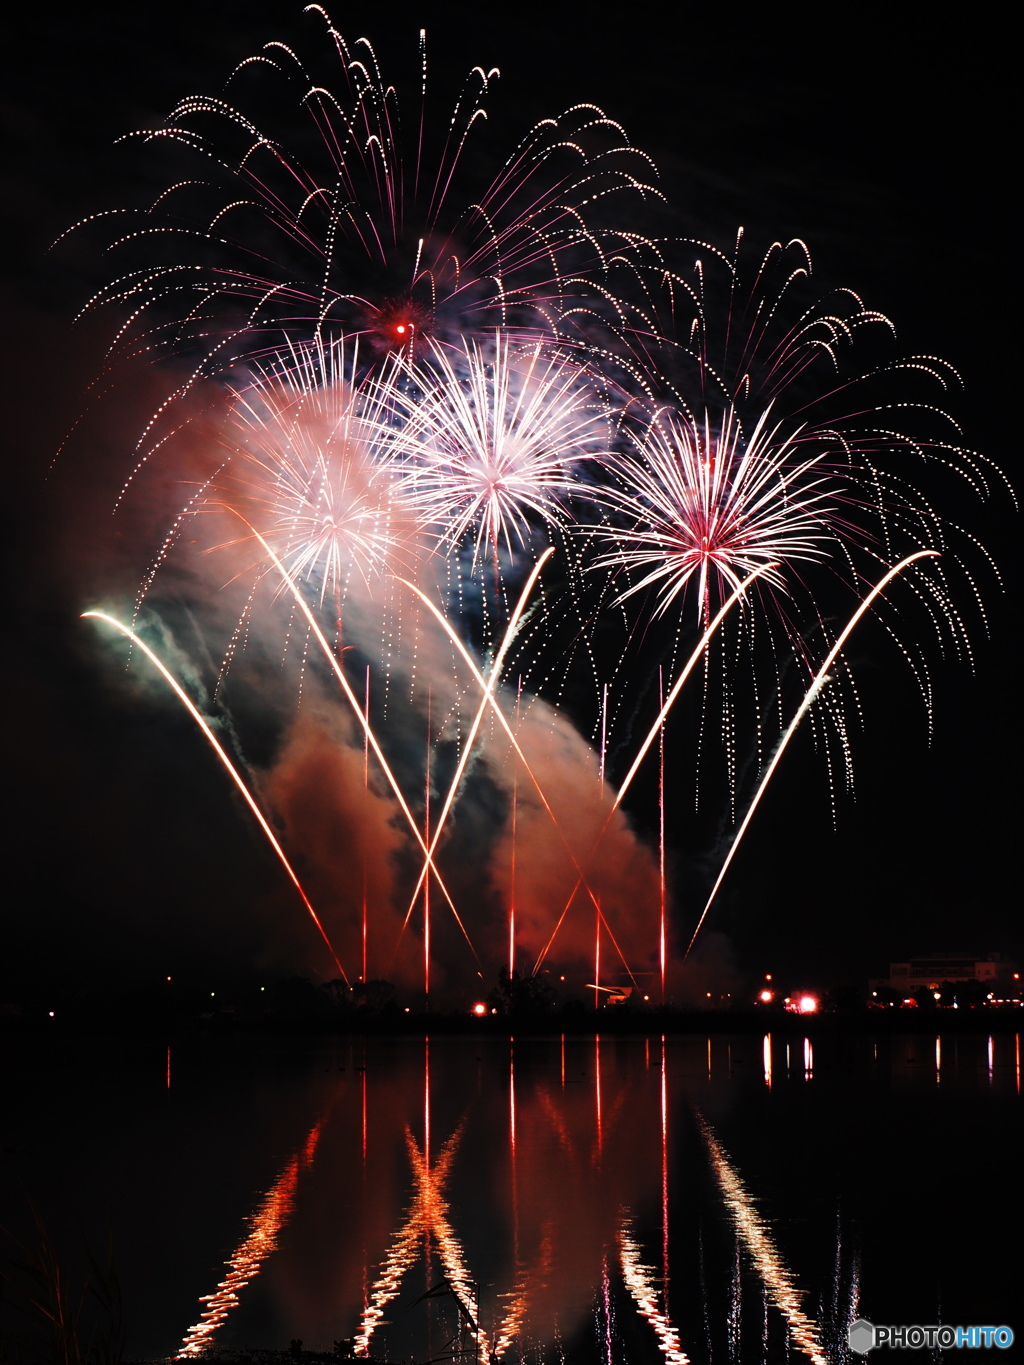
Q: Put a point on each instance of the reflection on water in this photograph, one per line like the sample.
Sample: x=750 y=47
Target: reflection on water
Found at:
x=561 y=1200
x=246 y=1261
x=640 y=1281
x=425 y=1224
x=757 y=1239
x=573 y=1162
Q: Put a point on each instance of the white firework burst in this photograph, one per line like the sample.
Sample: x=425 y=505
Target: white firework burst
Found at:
x=495 y=438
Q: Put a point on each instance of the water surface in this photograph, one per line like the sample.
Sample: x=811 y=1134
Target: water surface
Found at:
x=622 y=1200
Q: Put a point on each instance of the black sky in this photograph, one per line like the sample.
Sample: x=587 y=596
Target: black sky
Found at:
x=877 y=134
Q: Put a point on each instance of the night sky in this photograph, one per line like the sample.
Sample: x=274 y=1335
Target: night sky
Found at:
x=875 y=136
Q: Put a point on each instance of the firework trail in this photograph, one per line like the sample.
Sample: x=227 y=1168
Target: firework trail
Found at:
x=819 y=681
x=218 y=749
x=489 y=685
x=371 y=737
x=655 y=729
x=490 y=700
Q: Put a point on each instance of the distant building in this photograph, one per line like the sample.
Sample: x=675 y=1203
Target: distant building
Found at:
x=931 y=972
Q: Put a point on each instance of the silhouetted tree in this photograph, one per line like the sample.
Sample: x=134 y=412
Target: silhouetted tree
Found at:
x=521 y=995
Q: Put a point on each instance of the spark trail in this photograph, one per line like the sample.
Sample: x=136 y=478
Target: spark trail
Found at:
x=218 y=749
x=677 y=687
x=818 y=682
x=359 y=712
x=492 y=680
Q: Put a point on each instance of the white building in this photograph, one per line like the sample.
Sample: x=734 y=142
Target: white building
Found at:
x=931 y=972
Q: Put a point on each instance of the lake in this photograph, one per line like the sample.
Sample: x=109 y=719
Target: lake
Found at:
x=566 y=1199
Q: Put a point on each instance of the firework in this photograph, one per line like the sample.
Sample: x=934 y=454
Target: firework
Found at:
x=756 y=437
x=307 y=462
x=709 y=508
x=375 y=223
x=495 y=441
x=415 y=381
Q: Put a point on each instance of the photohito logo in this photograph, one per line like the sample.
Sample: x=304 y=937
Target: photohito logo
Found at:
x=863 y=1336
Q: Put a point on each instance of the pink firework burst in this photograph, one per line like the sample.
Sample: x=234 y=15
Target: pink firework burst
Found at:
x=703 y=507
x=309 y=468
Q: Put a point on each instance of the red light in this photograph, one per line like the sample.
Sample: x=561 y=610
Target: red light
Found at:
x=400 y=329
x=479 y=1009
x=765 y=997
x=808 y=1004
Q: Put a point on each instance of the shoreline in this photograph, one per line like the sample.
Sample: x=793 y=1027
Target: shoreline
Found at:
x=649 y=1024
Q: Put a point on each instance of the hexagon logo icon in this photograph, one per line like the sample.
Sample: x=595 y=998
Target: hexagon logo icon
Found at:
x=861 y=1336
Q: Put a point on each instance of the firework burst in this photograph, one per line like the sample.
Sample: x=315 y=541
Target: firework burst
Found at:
x=495 y=439
x=705 y=508
x=758 y=435
x=308 y=465
x=376 y=224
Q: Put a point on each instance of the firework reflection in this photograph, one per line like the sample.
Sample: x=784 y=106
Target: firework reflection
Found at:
x=247 y=1260
x=757 y=1238
x=512 y=1213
